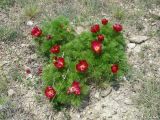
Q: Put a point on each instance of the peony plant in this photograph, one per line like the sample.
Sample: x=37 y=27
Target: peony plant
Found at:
x=52 y=34
x=96 y=56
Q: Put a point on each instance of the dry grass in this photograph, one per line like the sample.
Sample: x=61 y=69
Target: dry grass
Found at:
x=31 y=10
x=5 y=4
x=149 y=100
x=7 y=33
x=3 y=92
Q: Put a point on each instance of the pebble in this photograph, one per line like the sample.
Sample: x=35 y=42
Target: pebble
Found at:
x=24 y=45
x=97 y=95
x=30 y=23
x=11 y=92
x=128 y=101
x=131 y=45
x=79 y=29
x=138 y=39
x=33 y=56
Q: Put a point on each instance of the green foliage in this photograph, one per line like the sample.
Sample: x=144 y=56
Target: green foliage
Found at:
x=7 y=34
x=61 y=33
x=4 y=4
x=78 y=47
x=3 y=100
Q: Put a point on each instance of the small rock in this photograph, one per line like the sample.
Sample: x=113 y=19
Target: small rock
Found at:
x=124 y=110
x=110 y=116
x=131 y=45
x=138 y=39
x=33 y=56
x=114 y=113
x=24 y=45
x=104 y=118
x=124 y=78
x=11 y=92
x=30 y=23
x=78 y=116
x=128 y=101
x=4 y=63
x=103 y=106
x=97 y=95
x=79 y=29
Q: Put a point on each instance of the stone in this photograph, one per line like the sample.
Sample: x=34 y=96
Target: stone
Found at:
x=114 y=113
x=24 y=45
x=110 y=116
x=123 y=110
x=33 y=56
x=125 y=78
x=138 y=39
x=97 y=95
x=30 y=23
x=11 y=92
x=128 y=101
x=79 y=29
x=131 y=45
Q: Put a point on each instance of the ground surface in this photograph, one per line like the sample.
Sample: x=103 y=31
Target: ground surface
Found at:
x=24 y=98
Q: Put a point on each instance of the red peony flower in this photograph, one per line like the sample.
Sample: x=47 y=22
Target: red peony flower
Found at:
x=82 y=66
x=50 y=92
x=48 y=37
x=95 y=28
x=59 y=63
x=55 y=49
x=28 y=70
x=96 y=46
x=104 y=21
x=114 y=68
x=36 y=31
x=75 y=89
x=100 y=38
x=117 y=27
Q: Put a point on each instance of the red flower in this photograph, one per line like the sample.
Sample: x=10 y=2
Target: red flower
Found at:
x=50 y=92
x=82 y=66
x=36 y=31
x=104 y=21
x=48 y=37
x=117 y=27
x=75 y=89
x=59 y=63
x=100 y=38
x=55 y=49
x=28 y=70
x=96 y=46
x=95 y=28
x=114 y=68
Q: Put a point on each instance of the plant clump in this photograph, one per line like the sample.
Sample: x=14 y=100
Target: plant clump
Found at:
x=96 y=56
